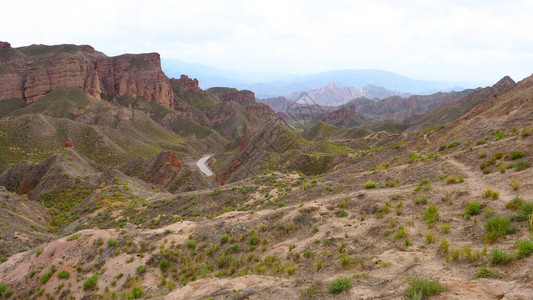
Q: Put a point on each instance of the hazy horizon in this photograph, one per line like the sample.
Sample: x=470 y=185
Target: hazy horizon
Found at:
x=476 y=42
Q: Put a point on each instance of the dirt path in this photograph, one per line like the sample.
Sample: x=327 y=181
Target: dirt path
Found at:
x=475 y=181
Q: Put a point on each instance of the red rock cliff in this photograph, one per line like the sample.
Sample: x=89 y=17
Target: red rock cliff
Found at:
x=185 y=84
x=31 y=72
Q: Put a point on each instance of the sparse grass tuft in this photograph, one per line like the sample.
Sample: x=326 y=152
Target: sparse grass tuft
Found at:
x=516 y=154
x=498 y=226
x=420 y=288
x=421 y=200
x=519 y=165
x=423 y=184
x=515 y=203
x=472 y=208
x=488 y=193
x=90 y=283
x=340 y=284
x=370 y=185
x=525 y=210
x=431 y=214
x=63 y=275
x=524 y=247
x=501 y=257
x=488 y=273
x=341 y=213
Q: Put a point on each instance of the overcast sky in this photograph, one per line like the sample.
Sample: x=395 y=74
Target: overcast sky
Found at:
x=476 y=41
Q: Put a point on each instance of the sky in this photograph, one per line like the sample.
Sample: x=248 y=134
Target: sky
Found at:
x=476 y=41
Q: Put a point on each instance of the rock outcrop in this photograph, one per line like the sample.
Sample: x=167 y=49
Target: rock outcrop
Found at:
x=5 y=45
x=162 y=167
x=31 y=72
x=185 y=84
x=69 y=143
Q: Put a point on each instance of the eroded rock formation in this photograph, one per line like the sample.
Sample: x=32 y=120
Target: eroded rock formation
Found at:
x=31 y=72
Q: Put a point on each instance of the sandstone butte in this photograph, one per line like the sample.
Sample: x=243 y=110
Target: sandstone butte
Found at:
x=31 y=72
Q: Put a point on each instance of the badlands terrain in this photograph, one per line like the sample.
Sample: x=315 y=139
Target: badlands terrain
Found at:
x=101 y=196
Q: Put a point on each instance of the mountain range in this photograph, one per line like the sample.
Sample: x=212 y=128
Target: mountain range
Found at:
x=268 y=86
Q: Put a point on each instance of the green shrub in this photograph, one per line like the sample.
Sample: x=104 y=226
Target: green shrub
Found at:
x=519 y=165
x=224 y=238
x=423 y=184
x=63 y=275
x=141 y=269
x=515 y=203
x=454 y=179
x=8 y=294
x=524 y=247
x=498 y=226
x=454 y=144
x=487 y=273
x=421 y=200
x=414 y=157
x=499 y=135
x=420 y=288
x=516 y=154
x=501 y=257
x=481 y=142
x=90 y=283
x=136 y=293
x=341 y=213
x=45 y=277
x=524 y=211
x=473 y=208
x=191 y=244
x=370 y=185
x=431 y=214
x=340 y=284
x=164 y=264
x=112 y=242
x=2 y=288
x=254 y=240
x=73 y=237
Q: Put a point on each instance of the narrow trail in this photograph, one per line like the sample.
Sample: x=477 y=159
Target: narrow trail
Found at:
x=475 y=180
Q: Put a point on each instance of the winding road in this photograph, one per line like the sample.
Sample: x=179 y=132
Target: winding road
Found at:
x=203 y=166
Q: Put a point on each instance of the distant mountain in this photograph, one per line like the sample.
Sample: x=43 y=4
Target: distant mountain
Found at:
x=449 y=111
x=398 y=108
x=278 y=104
x=335 y=95
x=269 y=86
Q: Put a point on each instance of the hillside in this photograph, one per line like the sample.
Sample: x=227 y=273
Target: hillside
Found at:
x=450 y=111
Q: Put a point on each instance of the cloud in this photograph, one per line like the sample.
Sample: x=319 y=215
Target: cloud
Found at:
x=478 y=41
